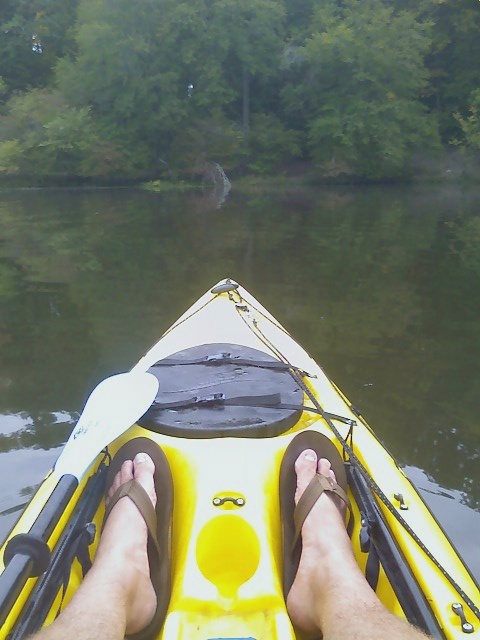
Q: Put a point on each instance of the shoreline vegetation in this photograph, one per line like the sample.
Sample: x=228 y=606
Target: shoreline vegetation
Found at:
x=177 y=94
x=452 y=166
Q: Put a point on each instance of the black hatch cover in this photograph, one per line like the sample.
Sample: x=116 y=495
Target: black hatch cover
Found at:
x=220 y=390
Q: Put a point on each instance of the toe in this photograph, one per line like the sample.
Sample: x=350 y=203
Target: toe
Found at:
x=305 y=468
x=124 y=474
x=325 y=468
x=143 y=470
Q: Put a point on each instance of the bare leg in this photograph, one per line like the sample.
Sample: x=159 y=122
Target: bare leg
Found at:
x=116 y=596
x=330 y=593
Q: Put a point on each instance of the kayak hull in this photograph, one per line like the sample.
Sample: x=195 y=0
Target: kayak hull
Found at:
x=227 y=556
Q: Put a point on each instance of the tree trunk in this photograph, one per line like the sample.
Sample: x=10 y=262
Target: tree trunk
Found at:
x=246 y=104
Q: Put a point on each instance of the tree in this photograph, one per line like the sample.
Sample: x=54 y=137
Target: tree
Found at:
x=356 y=82
x=271 y=143
x=453 y=59
x=40 y=134
x=149 y=70
x=34 y=35
x=135 y=87
x=255 y=30
x=470 y=125
x=134 y=65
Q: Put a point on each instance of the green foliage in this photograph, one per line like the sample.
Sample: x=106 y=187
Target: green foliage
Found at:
x=23 y=133
x=251 y=54
x=34 y=36
x=252 y=36
x=271 y=143
x=453 y=60
x=121 y=88
x=11 y=154
x=466 y=241
x=359 y=105
x=40 y=134
x=134 y=64
x=3 y=87
x=470 y=125
x=211 y=138
x=136 y=61
x=163 y=186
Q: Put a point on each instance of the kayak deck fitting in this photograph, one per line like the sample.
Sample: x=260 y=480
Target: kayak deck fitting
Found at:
x=234 y=390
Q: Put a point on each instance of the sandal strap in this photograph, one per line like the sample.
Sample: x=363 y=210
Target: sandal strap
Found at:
x=317 y=485
x=133 y=489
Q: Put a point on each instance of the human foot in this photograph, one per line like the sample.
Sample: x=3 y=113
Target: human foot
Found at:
x=326 y=549
x=122 y=551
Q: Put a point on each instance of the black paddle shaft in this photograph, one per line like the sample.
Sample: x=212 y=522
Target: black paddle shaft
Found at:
x=27 y=555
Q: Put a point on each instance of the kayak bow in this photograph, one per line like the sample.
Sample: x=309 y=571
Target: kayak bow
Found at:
x=234 y=390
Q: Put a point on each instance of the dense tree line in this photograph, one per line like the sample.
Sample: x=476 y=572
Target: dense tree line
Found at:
x=114 y=88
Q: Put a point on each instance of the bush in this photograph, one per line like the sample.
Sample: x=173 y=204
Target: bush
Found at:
x=271 y=143
x=470 y=125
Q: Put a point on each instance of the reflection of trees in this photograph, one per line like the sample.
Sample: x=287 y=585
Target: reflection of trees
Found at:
x=37 y=351
x=454 y=459
x=380 y=299
x=47 y=433
x=381 y=286
x=466 y=243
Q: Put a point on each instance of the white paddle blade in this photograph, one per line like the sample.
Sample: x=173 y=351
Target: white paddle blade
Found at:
x=112 y=408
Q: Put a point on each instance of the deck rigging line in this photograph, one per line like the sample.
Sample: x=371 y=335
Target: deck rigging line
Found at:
x=243 y=310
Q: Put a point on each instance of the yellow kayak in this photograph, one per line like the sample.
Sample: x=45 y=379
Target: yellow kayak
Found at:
x=224 y=392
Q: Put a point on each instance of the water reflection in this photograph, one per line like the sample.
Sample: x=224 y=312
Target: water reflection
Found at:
x=380 y=285
x=457 y=519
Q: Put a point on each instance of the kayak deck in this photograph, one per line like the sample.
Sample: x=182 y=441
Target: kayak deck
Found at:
x=227 y=556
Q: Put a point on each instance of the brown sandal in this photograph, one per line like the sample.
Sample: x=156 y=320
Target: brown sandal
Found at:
x=293 y=516
x=158 y=520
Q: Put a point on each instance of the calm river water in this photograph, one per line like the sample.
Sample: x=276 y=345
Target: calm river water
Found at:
x=381 y=285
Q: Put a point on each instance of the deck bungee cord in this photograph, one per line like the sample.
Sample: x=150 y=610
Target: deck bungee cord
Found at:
x=243 y=309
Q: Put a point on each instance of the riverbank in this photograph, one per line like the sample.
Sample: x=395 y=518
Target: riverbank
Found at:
x=450 y=165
